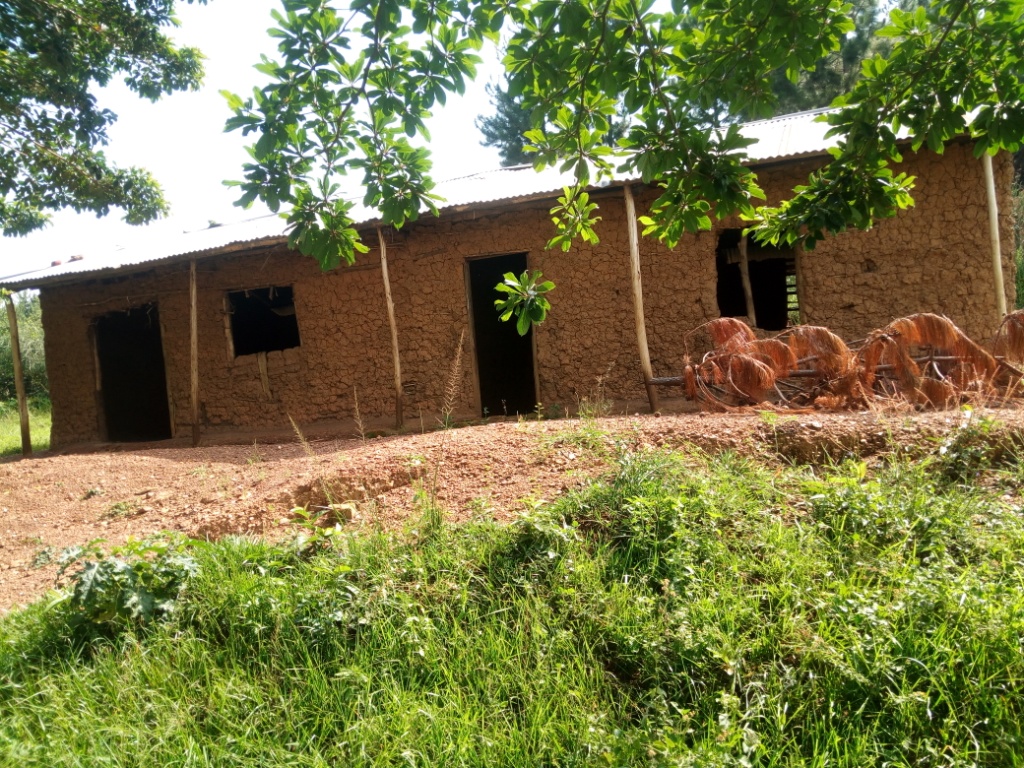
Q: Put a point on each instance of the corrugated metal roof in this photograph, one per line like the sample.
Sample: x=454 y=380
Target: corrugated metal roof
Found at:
x=787 y=136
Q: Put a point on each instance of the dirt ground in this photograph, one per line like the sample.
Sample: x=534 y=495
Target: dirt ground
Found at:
x=49 y=502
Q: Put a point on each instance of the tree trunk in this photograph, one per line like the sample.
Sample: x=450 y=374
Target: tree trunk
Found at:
x=399 y=418
x=638 y=299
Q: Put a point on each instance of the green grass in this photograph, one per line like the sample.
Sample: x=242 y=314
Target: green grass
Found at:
x=686 y=610
x=10 y=426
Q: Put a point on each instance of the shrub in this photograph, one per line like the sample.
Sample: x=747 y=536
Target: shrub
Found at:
x=33 y=360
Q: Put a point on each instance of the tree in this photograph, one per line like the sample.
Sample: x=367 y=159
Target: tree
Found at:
x=813 y=88
x=506 y=128
x=30 y=331
x=53 y=53
x=836 y=72
x=351 y=90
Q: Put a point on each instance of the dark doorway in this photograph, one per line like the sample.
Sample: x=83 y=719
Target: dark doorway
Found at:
x=772 y=282
x=504 y=359
x=132 y=375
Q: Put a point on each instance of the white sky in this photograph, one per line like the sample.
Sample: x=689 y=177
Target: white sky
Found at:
x=181 y=139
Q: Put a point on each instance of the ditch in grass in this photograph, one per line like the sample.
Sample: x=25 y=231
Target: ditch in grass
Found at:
x=684 y=611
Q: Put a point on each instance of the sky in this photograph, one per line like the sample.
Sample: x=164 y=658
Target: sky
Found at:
x=181 y=139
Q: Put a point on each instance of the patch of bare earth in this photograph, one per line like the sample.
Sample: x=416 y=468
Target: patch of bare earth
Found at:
x=53 y=501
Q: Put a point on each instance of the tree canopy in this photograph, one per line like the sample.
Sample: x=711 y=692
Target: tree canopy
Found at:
x=505 y=129
x=352 y=86
x=813 y=88
x=53 y=55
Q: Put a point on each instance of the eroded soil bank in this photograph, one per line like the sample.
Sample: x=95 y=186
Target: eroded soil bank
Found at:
x=494 y=470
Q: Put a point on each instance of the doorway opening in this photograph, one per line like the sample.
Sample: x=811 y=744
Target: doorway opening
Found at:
x=132 y=376
x=504 y=359
x=772 y=282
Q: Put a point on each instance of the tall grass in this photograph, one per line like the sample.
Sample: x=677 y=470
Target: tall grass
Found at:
x=686 y=610
x=10 y=425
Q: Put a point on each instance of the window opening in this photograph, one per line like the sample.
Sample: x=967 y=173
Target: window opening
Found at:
x=263 y=320
x=772 y=282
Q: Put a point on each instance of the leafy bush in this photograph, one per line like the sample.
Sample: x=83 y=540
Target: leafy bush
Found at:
x=131 y=586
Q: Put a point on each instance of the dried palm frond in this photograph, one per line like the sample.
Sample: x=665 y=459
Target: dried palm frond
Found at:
x=775 y=354
x=888 y=349
x=936 y=393
x=748 y=377
x=710 y=372
x=1010 y=337
x=690 y=382
x=824 y=351
x=930 y=330
x=729 y=333
x=924 y=329
x=870 y=357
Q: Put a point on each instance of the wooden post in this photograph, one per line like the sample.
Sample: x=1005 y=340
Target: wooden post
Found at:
x=748 y=289
x=638 y=298
x=993 y=232
x=19 y=376
x=399 y=419
x=193 y=320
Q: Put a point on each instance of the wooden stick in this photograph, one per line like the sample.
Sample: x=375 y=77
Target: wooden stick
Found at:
x=194 y=333
x=638 y=298
x=261 y=362
x=993 y=233
x=19 y=376
x=399 y=420
x=748 y=289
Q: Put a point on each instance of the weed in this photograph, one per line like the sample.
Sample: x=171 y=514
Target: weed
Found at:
x=120 y=509
x=42 y=558
x=596 y=404
x=256 y=456
x=318 y=530
x=92 y=493
x=201 y=472
x=970 y=448
x=360 y=427
x=132 y=585
x=451 y=391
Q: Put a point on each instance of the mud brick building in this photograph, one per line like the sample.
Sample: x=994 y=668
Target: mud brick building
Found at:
x=276 y=339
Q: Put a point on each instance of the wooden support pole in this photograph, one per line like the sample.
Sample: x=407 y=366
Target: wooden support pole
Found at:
x=748 y=289
x=638 y=298
x=193 y=320
x=399 y=419
x=993 y=231
x=19 y=376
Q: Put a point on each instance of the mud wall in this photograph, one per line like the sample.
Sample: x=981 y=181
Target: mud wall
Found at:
x=934 y=257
